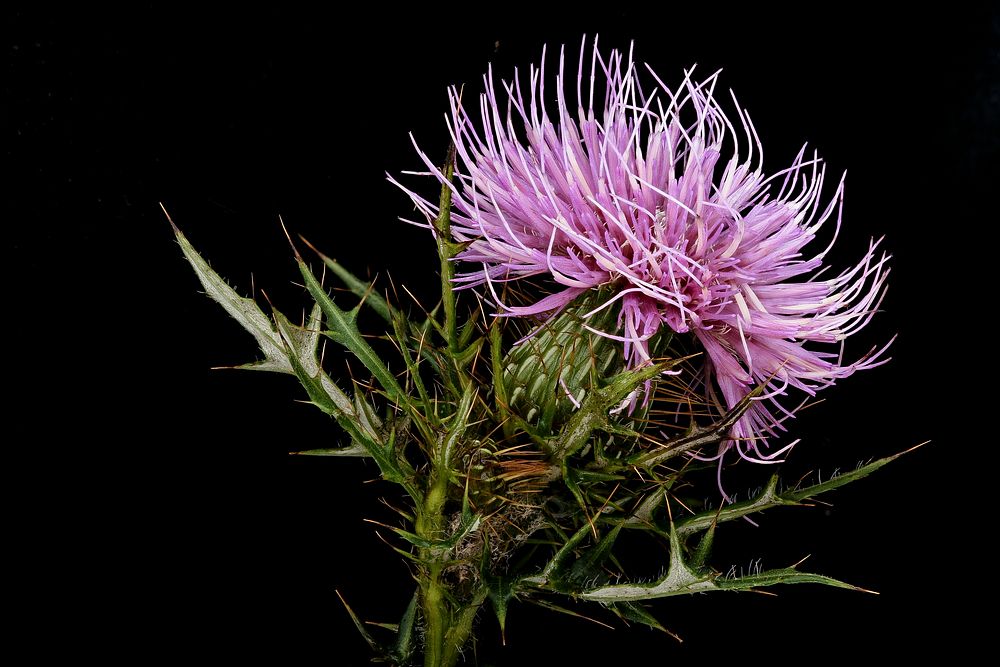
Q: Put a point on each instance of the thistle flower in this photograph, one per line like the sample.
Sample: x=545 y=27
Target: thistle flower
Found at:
x=660 y=197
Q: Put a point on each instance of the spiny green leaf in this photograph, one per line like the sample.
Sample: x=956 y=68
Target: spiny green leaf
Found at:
x=786 y=575
x=676 y=583
x=469 y=524
x=471 y=351
x=391 y=627
x=317 y=386
x=361 y=289
x=589 y=566
x=699 y=436
x=299 y=351
x=353 y=450
x=465 y=335
x=243 y=310
x=446 y=252
x=546 y=604
x=367 y=416
x=569 y=478
x=843 y=478
x=589 y=476
x=767 y=498
x=633 y=611
x=403 y=648
x=320 y=397
x=770 y=497
x=344 y=330
x=501 y=590
x=400 y=328
x=642 y=515
x=500 y=398
x=290 y=349
x=683 y=579
x=409 y=556
x=699 y=558
x=372 y=644
x=680 y=579
x=554 y=569
x=456 y=427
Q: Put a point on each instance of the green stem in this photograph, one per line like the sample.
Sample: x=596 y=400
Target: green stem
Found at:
x=461 y=628
x=433 y=598
x=446 y=251
x=447 y=629
x=436 y=615
x=447 y=622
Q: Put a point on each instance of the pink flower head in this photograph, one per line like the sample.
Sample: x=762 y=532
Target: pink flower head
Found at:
x=658 y=194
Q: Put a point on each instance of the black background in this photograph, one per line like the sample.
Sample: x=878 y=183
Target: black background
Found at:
x=163 y=509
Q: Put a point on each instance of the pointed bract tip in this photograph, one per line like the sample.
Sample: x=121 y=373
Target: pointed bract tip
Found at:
x=906 y=451
x=289 y=237
x=177 y=231
x=263 y=293
x=800 y=561
x=914 y=448
x=314 y=248
x=450 y=157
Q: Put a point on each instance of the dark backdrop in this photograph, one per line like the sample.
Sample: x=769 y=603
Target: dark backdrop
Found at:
x=162 y=488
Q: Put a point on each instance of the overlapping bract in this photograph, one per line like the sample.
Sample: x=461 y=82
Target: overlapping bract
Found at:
x=658 y=194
